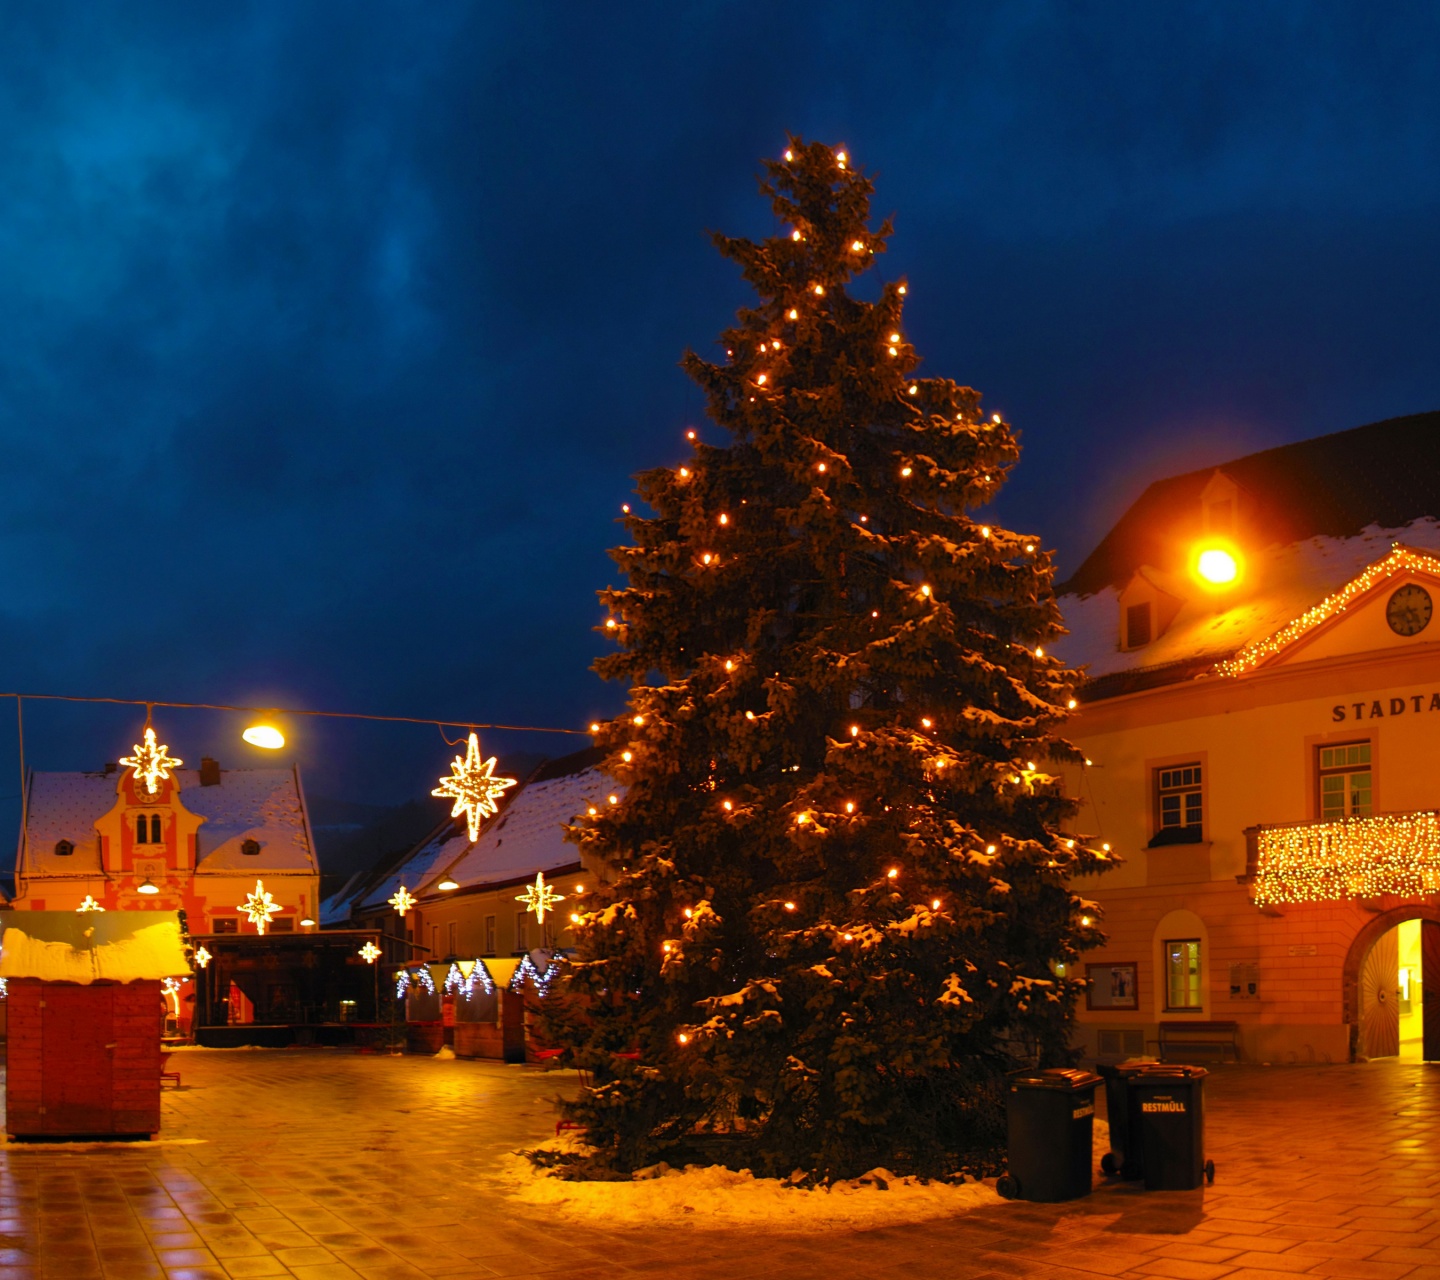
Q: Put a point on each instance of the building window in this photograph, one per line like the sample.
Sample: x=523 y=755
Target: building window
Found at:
x=434 y=942
x=63 y=848
x=489 y=935
x=520 y=943
x=250 y=848
x=224 y=924
x=1345 y=781
x=155 y=834
x=283 y=924
x=142 y=830
x=1179 y=805
x=1137 y=625
x=451 y=930
x=1182 y=974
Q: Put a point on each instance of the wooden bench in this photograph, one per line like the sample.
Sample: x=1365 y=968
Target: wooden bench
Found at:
x=1219 y=1036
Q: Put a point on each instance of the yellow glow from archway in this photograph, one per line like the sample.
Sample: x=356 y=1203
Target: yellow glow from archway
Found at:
x=264 y=735
x=1217 y=567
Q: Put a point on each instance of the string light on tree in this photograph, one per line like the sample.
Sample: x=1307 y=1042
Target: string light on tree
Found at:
x=539 y=897
x=259 y=906
x=473 y=787
x=151 y=763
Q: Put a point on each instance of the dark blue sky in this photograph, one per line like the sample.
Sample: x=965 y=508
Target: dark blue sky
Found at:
x=333 y=332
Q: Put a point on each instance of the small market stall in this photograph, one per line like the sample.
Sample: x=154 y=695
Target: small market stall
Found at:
x=86 y=1013
x=477 y=1006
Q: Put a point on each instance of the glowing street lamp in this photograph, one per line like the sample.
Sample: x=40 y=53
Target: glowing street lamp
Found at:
x=265 y=736
x=1217 y=567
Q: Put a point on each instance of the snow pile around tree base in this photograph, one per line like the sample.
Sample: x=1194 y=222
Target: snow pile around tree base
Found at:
x=711 y=1196
x=708 y=1197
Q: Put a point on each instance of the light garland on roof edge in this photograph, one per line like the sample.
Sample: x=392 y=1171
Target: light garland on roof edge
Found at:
x=1399 y=560
x=1352 y=858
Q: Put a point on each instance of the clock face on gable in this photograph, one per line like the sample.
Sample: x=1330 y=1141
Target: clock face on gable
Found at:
x=1409 y=610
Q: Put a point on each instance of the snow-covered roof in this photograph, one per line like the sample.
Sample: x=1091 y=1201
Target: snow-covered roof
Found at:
x=1280 y=583
x=264 y=805
x=118 y=946
x=528 y=835
x=430 y=857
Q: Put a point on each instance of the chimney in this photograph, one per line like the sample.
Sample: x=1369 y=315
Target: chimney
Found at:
x=111 y=766
x=209 y=772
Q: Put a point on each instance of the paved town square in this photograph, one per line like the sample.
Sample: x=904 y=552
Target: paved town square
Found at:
x=328 y=1164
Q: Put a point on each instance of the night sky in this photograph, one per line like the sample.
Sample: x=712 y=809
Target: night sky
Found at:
x=333 y=333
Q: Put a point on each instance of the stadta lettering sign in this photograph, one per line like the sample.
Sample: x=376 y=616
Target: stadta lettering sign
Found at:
x=1379 y=708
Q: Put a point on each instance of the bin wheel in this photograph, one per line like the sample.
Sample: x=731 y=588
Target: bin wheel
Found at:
x=1209 y=1171
x=1109 y=1166
x=1007 y=1186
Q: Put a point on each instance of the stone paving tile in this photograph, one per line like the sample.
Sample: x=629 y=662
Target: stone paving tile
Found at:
x=324 y=1165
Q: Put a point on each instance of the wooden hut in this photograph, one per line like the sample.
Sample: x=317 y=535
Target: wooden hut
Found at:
x=83 y=1053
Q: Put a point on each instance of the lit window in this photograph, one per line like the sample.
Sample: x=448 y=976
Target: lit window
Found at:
x=1345 y=781
x=283 y=924
x=1137 y=625
x=1179 y=805
x=1182 y=974
x=225 y=924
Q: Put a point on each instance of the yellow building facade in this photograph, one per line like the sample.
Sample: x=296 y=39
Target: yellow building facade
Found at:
x=1263 y=754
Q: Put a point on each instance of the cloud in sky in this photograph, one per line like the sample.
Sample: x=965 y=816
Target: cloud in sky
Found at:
x=333 y=335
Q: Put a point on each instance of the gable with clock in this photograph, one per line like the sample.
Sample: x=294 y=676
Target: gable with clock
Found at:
x=1395 y=613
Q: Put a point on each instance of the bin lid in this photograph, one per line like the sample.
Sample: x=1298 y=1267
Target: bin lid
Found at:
x=1168 y=1071
x=1067 y=1078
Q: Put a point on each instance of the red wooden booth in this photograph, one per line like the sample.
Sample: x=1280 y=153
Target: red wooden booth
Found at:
x=83 y=1053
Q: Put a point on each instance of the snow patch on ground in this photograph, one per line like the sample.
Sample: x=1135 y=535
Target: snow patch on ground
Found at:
x=446 y=1054
x=709 y=1197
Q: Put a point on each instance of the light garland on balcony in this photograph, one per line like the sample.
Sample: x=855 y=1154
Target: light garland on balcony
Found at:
x=1400 y=560
x=1352 y=858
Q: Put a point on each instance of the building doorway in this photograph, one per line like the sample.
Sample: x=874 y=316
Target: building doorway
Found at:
x=1399 y=970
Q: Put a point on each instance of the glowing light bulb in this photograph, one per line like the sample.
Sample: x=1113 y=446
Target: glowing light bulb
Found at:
x=749 y=715
x=854 y=730
x=706 y=558
x=689 y=914
x=925 y=721
x=683 y=1038
x=849 y=806
x=892 y=873
x=906 y=472
x=1088 y=760
x=726 y=805
x=146 y=887
x=729 y=666
x=874 y=613
x=984 y=530
x=1039 y=652
x=595 y=727
x=857 y=245
x=724 y=519
x=1085 y=920
x=448 y=885
x=626 y=756
x=913 y=389
x=574 y=918
x=638 y=721
x=894 y=351
x=995 y=418
x=925 y=590
x=801 y=819
x=684 y=473
x=849 y=937
x=1029 y=546
x=1217 y=567
x=665 y=947
x=264 y=735
x=789 y=155
x=819 y=466
x=789 y=906
x=934 y=904
x=579 y=888
x=689 y=435
x=841 y=157
x=760 y=381
x=1106 y=847
x=1030 y=764
x=611 y=623
x=793 y=313
x=894 y=337
x=1072 y=704
x=989 y=848
x=903 y=289
x=625 y=507
x=795 y=235
x=594 y=812
x=613 y=799
x=819 y=290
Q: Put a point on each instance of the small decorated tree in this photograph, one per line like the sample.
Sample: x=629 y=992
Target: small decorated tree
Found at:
x=834 y=906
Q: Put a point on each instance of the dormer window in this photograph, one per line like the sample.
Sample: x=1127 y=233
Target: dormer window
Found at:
x=1137 y=625
x=250 y=848
x=1220 y=506
x=63 y=848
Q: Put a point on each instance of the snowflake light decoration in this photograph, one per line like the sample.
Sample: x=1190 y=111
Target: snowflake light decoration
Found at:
x=473 y=787
x=539 y=897
x=260 y=906
x=202 y=956
x=370 y=952
x=402 y=900
x=89 y=904
x=151 y=763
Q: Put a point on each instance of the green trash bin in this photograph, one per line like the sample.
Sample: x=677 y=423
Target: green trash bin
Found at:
x=1166 y=1124
x=1050 y=1119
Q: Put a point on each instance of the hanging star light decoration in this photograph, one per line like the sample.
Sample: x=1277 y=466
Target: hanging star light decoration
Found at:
x=370 y=952
x=202 y=956
x=402 y=900
x=150 y=762
x=89 y=904
x=539 y=897
x=473 y=787
x=260 y=906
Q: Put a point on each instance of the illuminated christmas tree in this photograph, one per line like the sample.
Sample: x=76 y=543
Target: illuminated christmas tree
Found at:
x=835 y=885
